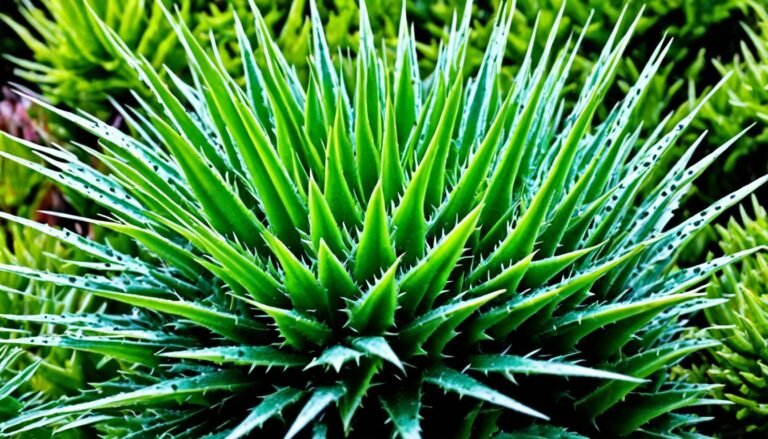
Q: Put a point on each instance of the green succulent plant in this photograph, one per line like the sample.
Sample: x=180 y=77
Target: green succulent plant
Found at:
x=740 y=362
x=692 y=23
x=60 y=369
x=59 y=66
x=23 y=192
x=741 y=103
x=340 y=254
x=43 y=370
x=73 y=64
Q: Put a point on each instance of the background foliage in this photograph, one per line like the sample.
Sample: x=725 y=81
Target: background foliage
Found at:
x=739 y=364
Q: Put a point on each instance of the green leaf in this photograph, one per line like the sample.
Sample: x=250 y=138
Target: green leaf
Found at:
x=315 y=124
x=298 y=330
x=268 y=408
x=124 y=350
x=508 y=280
x=378 y=347
x=228 y=325
x=236 y=219
x=375 y=311
x=426 y=280
x=392 y=176
x=511 y=364
x=507 y=317
x=175 y=255
x=415 y=334
x=335 y=278
x=374 y=251
x=451 y=381
x=541 y=271
x=321 y=398
x=306 y=293
x=18 y=379
x=366 y=150
x=322 y=224
x=403 y=409
x=357 y=384
x=640 y=365
x=407 y=100
x=462 y=196
x=280 y=199
x=644 y=407
x=234 y=263
x=280 y=87
x=338 y=189
x=322 y=58
x=177 y=389
x=574 y=326
x=335 y=356
x=409 y=221
x=242 y=356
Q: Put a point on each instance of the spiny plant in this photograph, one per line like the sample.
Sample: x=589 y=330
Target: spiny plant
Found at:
x=59 y=370
x=73 y=64
x=60 y=68
x=686 y=20
x=743 y=101
x=692 y=23
x=341 y=20
x=372 y=245
x=23 y=192
x=740 y=362
x=45 y=369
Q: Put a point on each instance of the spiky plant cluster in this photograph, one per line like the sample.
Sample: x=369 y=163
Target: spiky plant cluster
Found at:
x=741 y=363
x=23 y=191
x=60 y=370
x=341 y=19
x=57 y=32
x=73 y=64
x=742 y=102
x=443 y=256
x=692 y=23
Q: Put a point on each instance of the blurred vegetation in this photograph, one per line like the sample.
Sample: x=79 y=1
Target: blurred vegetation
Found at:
x=740 y=363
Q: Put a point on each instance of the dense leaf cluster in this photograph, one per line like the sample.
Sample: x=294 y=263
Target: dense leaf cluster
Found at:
x=344 y=251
